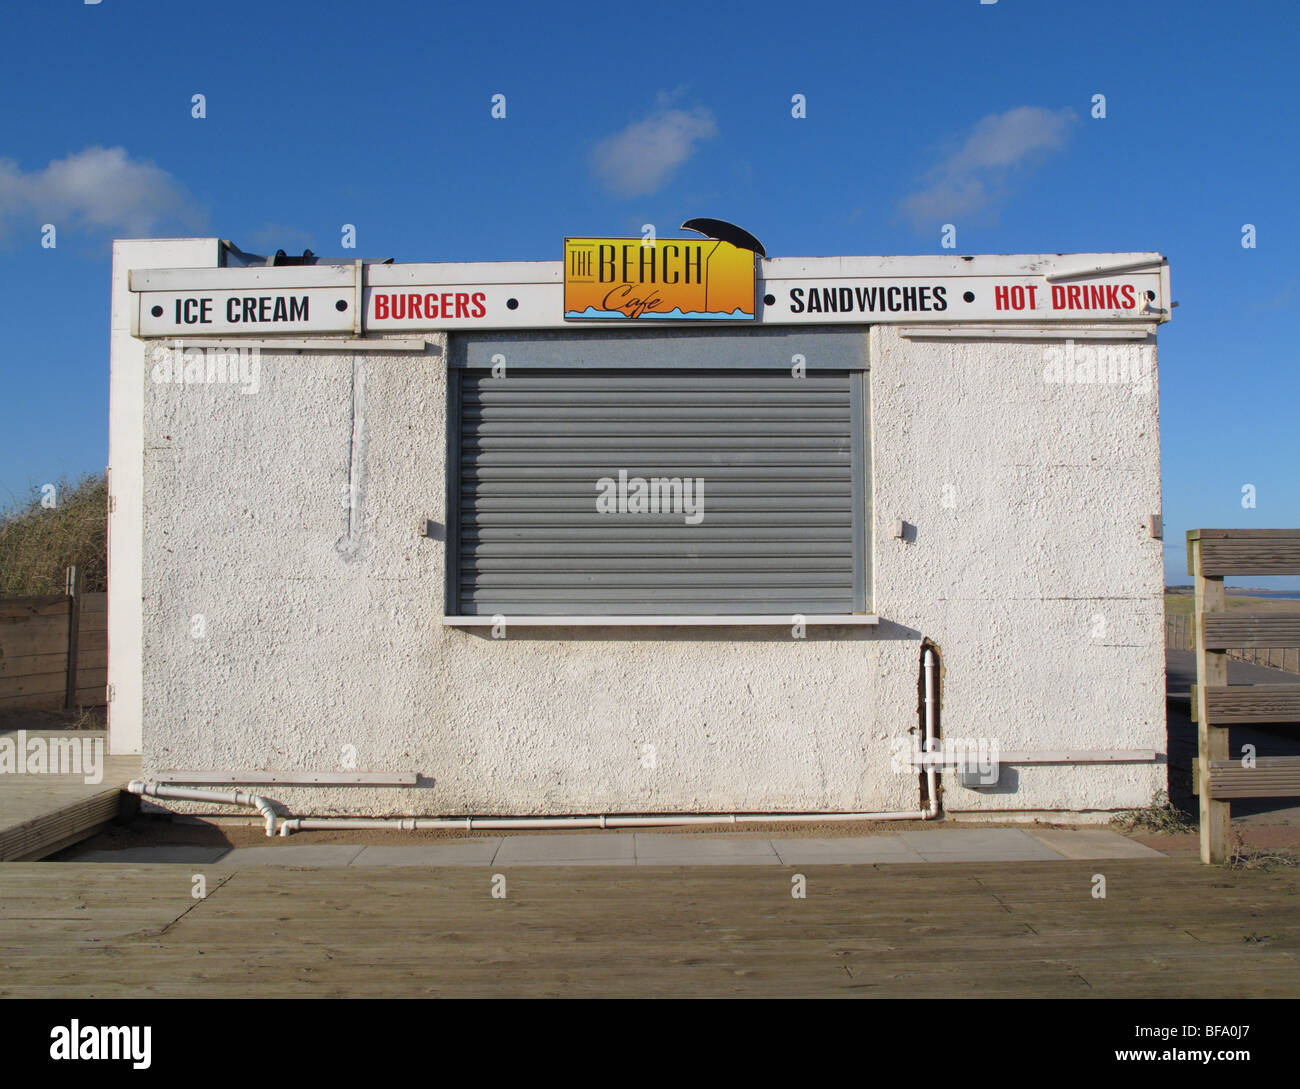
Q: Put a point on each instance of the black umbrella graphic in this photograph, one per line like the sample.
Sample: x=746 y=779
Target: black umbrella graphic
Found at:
x=725 y=232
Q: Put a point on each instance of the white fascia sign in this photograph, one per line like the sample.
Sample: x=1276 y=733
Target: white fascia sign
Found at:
x=274 y=301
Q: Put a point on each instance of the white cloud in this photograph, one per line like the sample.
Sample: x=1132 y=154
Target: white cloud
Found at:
x=642 y=157
x=96 y=189
x=975 y=175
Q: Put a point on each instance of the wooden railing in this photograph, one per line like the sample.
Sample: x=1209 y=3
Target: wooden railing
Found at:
x=1180 y=635
x=1212 y=554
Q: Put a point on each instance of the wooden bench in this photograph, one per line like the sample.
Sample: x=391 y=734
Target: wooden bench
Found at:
x=1212 y=554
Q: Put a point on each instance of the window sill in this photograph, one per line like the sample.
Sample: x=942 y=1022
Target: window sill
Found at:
x=784 y=620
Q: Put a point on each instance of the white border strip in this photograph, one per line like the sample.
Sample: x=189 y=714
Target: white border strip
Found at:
x=1032 y=332
x=290 y=778
x=784 y=620
x=368 y=344
x=1038 y=756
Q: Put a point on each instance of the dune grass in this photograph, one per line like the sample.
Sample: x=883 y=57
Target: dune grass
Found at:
x=39 y=542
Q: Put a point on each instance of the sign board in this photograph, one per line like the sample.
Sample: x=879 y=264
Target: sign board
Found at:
x=911 y=299
x=674 y=280
x=257 y=310
x=668 y=279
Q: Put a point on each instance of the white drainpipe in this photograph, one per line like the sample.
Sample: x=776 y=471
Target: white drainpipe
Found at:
x=193 y=794
x=931 y=776
x=416 y=824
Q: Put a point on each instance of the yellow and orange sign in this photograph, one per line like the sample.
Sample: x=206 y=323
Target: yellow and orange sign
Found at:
x=670 y=278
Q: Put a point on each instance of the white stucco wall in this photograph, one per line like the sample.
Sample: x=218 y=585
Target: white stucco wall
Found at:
x=1034 y=574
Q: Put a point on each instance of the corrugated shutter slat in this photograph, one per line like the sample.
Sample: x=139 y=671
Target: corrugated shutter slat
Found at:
x=775 y=453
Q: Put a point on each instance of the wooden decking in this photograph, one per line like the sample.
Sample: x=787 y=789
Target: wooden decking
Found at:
x=41 y=813
x=1167 y=928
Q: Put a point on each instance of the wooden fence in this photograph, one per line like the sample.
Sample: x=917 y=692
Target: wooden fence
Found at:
x=1180 y=634
x=1213 y=554
x=54 y=650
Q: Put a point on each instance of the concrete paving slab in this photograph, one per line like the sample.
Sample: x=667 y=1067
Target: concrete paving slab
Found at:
x=324 y=855
x=667 y=850
x=848 y=851
x=465 y=852
x=599 y=848
x=977 y=845
x=196 y=856
x=1092 y=843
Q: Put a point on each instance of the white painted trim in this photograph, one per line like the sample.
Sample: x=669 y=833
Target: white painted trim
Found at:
x=366 y=344
x=126 y=481
x=1040 y=756
x=126 y=386
x=1028 y=332
x=225 y=279
x=1106 y=268
x=784 y=620
x=290 y=778
x=908 y=291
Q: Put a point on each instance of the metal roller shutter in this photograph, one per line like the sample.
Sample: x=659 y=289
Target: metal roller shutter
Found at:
x=780 y=460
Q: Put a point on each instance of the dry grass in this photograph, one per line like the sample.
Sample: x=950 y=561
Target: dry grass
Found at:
x=38 y=544
x=1160 y=816
x=1259 y=858
x=1183 y=604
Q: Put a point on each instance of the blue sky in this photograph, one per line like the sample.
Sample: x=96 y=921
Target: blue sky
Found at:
x=321 y=114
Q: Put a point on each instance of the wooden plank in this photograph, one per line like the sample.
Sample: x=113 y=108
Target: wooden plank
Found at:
x=1271 y=777
x=1242 y=534
x=1212 y=742
x=74 y=630
x=30 y=664
x=54 y=642
x=1273 y=556
x=38 y=635
x=93 y=696
x=94 y=604
x=1238 y=703
x=92 y=659
x=51 y=702
x=32 y=684
x=18 y=609
x=1005 y=929
x=59 y=826
x=1240 y=630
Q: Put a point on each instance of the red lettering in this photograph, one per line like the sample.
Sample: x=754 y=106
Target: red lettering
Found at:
x=1130 y=303
x=1033 y=302
x=462 y=304
x=479 y=309
x=1000 y=299
x=1058 y=297
x=381 y=308
x=414 y=304
x=1075 y=296
x=447 y=310
x=1112 y=297
x=431 y=306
